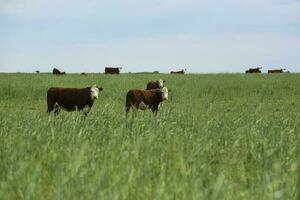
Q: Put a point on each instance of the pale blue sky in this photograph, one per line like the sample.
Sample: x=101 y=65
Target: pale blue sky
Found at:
x=139 y=35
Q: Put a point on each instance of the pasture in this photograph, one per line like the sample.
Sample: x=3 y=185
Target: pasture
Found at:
x=222 y=136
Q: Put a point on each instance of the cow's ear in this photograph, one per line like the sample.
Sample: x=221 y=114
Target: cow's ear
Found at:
x=100 y=88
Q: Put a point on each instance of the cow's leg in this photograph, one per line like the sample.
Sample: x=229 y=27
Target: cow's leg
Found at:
x=154 y=109
x=86 y=110
x=56 y=109
x=127 y=109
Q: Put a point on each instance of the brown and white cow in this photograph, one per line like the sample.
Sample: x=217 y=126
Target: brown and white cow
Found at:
x=155 y=84
x=146 y=99
x=56 y=71
x=71 y=99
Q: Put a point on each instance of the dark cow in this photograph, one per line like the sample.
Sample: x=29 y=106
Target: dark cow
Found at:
x=56 y=71
x=253 y=70
x=71 y=99
x=178 y=72
x=37 y=71
x=146 y=99
x=155 y=84
x=83 y=73
x=272 y=71
x=112 y=70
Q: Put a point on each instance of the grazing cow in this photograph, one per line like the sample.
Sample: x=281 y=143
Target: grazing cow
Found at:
x=56 y=71
x=178 y=72
x=37 y=71
x=83 y=73
x=71 y=99
x=155 y=84
x=112 y=70
x=272 y=71
x=146 y=99
x=253 y=70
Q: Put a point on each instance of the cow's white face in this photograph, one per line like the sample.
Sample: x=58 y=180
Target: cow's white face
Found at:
x=160 y=83
x=94 y=92
x=164 y=93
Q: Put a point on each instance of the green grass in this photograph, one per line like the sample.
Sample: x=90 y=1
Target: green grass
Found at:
x=224 y=136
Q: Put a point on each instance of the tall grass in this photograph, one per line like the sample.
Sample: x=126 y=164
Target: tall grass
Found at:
x=225 y=136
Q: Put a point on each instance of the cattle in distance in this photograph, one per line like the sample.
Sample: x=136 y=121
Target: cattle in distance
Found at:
x=273 y=71
x=178 y=72
x=155 y=84
x=71 y=99
x=56 y=71
x=37 y=71
x=146 y=99
x=253 y=70
x=112 y=70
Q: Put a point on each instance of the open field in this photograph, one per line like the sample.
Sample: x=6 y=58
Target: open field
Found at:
x=223 y=136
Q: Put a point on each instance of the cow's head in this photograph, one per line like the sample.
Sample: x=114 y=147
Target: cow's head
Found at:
x=160 y=83
x=95 y=91
x=164 y=93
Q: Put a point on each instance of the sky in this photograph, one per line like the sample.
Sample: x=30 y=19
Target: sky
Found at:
x=203 y=36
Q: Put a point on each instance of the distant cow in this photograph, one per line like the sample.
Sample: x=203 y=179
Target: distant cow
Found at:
x=83 y=73
x=146 y=99
x=272 y=71
x=112 y=70
x=155 y=84
x=178 y=72
x=37 y=71
x=253 y=70
x=56 y=71
x=71 y=99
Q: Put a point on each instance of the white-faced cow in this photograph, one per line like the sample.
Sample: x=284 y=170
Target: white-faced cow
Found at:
x=71 y=99
x=56 y=71
x=146 y=99
x=155 y=84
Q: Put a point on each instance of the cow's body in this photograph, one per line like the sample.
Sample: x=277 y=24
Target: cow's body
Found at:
x=56 y=71
x=155 y=84
x=253 y=70
x=71 y=99
x=143 y=99
x=275 y=71
x=112 y=70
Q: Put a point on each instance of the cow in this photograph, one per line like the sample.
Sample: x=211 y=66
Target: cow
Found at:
x=83 y=73
x=145 y=99
x=155 y=84
x=253 y=70
x=37 y=71
x=178 y=72
x=112 y=70
x=71 y=99
x=272 y=71
x=56 y=71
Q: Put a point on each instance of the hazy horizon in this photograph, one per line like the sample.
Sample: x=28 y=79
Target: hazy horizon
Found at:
x=203 y=36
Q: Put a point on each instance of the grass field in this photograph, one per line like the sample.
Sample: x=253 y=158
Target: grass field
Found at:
x=223 y=136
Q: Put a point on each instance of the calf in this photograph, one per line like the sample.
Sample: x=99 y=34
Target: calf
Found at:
x=143 y=99
x=155 y=84
x=71 y=99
